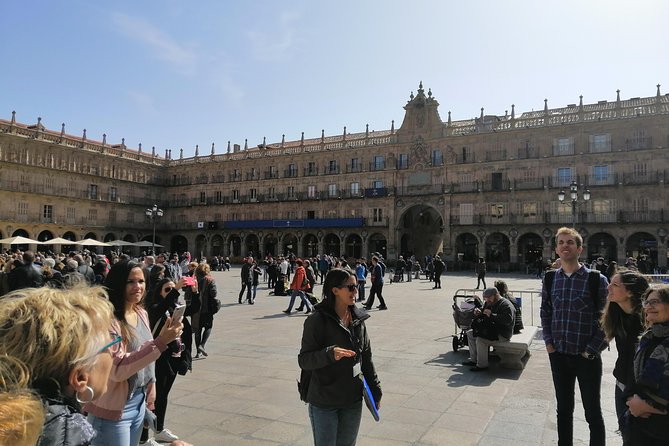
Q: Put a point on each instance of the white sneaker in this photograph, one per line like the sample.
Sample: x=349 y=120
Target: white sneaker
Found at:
x=150 y=442
x=165 y=436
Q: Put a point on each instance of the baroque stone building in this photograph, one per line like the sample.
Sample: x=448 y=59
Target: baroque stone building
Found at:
x=485 y=187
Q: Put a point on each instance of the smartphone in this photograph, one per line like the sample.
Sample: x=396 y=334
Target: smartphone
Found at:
x=189 y=280
x=178 y=313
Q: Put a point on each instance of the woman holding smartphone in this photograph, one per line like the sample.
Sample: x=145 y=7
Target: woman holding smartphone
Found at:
x=163 y=302
x=118 y=415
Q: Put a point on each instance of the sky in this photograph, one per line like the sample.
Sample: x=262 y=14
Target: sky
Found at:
x=175 y=74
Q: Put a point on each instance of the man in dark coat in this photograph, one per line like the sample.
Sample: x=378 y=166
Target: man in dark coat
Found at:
x=25 y=275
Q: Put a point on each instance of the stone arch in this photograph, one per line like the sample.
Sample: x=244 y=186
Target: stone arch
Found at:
x=92 y=235
x=252 y=246
x=332 y=244
x=353 y=246
x=497 y=248
x=270 y=245
x=179 y=244
x=200 y=246
x=217 y=245
x=130 y=238
x=109 y=237
x=530 y=249
x=420 y=226
x=20 y=233
x=602 y=244
x=310 y=245
x=467 y=247
x=235 y=245
x=289 y=243
x=642 y=243
x=44 y=236
x=378 y=243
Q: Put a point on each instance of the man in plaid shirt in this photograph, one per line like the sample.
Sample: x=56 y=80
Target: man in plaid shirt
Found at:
x=574 y=339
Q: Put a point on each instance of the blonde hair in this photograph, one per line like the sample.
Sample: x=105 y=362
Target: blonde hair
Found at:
x=55 y=331
x=570 y=231
x=21 y=411
x=203 y=269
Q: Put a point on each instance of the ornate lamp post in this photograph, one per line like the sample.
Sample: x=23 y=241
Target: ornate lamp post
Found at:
x=153 y=213
x=573 y=195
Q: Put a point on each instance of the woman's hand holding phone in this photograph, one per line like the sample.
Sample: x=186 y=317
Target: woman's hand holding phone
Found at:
x=171 y=330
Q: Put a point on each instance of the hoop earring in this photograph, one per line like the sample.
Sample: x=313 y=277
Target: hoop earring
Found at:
x=82 y=401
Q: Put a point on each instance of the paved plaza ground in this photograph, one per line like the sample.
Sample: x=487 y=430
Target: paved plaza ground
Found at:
x=245 y=392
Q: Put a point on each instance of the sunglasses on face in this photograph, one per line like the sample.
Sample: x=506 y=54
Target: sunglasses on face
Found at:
x=167 y=289
x=117 y=339
x=350 y=287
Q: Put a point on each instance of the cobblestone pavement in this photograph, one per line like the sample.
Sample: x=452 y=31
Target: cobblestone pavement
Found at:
x=245 y=392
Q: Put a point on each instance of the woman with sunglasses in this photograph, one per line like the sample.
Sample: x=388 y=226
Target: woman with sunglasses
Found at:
x=175 y=360
x=118 y=415
x=63 y=338
x=648 y=422
x=336 y=350
x=622 y=320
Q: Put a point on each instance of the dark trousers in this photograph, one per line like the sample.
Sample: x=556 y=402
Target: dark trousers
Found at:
x=248 y=288
x=481 y=278
x=164 y=381
x=566 y=370
x=374 y=290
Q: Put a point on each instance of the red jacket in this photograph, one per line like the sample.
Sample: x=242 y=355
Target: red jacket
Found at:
x=299 y=278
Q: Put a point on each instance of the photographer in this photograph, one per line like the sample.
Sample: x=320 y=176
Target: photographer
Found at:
x=492 y=324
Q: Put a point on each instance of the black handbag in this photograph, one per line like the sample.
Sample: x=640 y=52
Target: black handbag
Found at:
x=485 y=328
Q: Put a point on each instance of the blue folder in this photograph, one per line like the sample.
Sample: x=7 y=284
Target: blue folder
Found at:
x=369 y=400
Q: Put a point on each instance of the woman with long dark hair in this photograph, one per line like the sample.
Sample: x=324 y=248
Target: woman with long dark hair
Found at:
x=203 y=320
x=622 y=320
x=118 y=415
x=335 y=350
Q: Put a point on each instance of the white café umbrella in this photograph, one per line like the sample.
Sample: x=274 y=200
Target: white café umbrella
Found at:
x=59 y=241
x=18 y=240
x=147 y=244
x=91 y=242
x=120 y=243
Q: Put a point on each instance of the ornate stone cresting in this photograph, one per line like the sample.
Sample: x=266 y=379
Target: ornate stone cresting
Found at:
x=421 y=117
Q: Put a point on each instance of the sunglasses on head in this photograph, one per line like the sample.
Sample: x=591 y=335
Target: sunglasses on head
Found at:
x=350 y=287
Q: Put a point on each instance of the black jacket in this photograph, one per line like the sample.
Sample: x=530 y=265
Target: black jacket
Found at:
x=65 y=426
x=25 y=276
x=332 y=382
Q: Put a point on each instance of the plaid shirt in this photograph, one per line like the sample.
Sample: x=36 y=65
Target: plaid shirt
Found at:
x=568 y=318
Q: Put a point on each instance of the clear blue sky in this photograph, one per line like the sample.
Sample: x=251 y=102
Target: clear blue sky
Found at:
x=173 y=74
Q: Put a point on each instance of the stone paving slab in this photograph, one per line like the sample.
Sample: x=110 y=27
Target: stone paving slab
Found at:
x=245 y=392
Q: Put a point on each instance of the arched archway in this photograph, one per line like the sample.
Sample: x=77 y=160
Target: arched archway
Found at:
x=20 y=233
x=378 y=243
x=91 y=235
x=467 y=247
x=604 y=245
x=497 y=248
x=235 y=245
x=217 y=245
x=252 y=245
x=310 y=245
x=642 y=244
x=332 y=244
x=270 y=244
x=289 y=244
x=200 y=246
x=179 y=244
x=109 y=237
x=421 y=227
x=69 y=235
x=530 y=249
x=44 y=236
x=353 y=246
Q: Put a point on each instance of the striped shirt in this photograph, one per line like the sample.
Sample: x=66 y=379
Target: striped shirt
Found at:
x=568 y=318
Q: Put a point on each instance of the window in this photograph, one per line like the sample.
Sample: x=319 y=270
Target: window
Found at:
x=112 y=216
x=600 y=143
x=253 y=194
x=377 y=215
x=203 y=197
x=640 y=170
x=604 y=210
x=563 y=146
x=563 y=176
x=467 y=182
x=332 y=190
x=236 y=175
x=92 y=215
x=466 y=213
x=377 y=184
x=403 y=161
x=355 y=164
x=437 y=158
x=130 y=218
x=497 y=183
x=272 y=172
x=234 y=216
x=219 y=196
x=640 y=204
x=355 y=189
x=529 y=210
x=292 y=215
x=311 y=215
x=93 y=191
x=332 y=166
x=379 y=162
x=311 y=191
x=311 y=168
x=254 y=173
x=600 y=174
x=23 y=208
x=70 y=214
x=235 y=195
x=113 y=194
x=271 y=192
x=290 y=192
x=292 y=170
x=467 y=156
x=47 y=213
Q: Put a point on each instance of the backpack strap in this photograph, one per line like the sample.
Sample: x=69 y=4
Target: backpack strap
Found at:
x=594 y=278
x=549 y=276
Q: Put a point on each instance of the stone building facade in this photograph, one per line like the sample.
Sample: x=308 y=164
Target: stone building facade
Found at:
x=486 y=187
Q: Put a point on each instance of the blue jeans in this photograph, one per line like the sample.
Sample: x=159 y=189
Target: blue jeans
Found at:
x=125 y=431
x=566 y=370
x=335 y=427
x=361 y=289
x=294 y=294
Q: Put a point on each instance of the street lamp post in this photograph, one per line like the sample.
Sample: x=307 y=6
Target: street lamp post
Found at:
x=573 y=195
x=153 y=213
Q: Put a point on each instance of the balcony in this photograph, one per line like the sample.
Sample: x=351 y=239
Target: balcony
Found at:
x=420 y=190
x=310 y=171
x=495 y=155
x=633 y=178
x=377 y=166
x=353 y=168
x=269 y=174
x=528 y=152
x=290 y=173
x=639 y=143
x=332 y=170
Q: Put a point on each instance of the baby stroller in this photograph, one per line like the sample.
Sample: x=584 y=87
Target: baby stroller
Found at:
x=463 y=313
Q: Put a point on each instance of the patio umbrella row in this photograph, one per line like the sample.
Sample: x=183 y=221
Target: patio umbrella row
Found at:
x=18 y=240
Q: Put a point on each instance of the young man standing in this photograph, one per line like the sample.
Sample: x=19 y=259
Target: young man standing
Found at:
x=377 y=286
x=573 y=337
